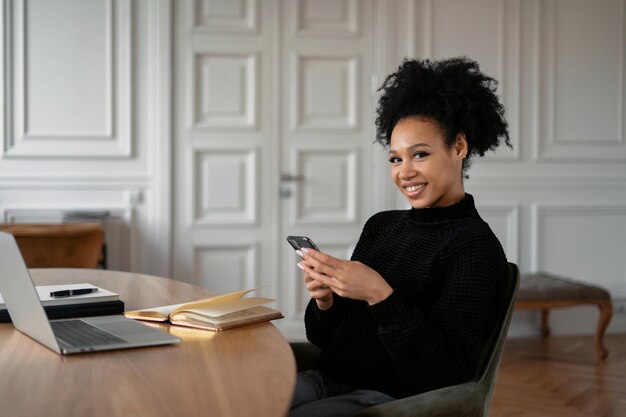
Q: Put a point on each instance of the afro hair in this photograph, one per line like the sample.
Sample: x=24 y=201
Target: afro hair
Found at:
x=454 y=93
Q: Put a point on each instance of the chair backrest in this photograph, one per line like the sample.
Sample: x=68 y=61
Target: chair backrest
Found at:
x=489 y=362
x=66 y=245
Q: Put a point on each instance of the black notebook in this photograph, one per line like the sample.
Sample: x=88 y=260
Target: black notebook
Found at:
x=75 y=310
x=98 y=303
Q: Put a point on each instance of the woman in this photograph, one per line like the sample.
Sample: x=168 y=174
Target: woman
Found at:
x=413 y=307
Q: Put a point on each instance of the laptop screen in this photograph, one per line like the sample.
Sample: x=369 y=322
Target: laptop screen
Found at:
x=20 y=297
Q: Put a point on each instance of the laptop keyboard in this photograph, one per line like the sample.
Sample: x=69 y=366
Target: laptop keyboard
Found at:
x=77 y=333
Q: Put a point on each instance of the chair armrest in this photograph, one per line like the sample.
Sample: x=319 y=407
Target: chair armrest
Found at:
x=463 y=400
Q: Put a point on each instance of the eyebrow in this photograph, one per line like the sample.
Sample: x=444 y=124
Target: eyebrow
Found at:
x=417 y=145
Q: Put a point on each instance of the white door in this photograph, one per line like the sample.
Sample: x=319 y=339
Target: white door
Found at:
x=273 y=136
x=326 y=133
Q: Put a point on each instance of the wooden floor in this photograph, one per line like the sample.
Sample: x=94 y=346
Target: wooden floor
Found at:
x=560 y=377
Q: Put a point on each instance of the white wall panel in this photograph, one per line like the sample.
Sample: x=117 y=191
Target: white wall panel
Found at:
x=57 y=93
x=225 y=268
x=329 y=192
x=326 y=18
x=226 y=186
x=226 y=16
x=504 y=221
x=68 y=102
x=226 y=88
x=480 y=23
x=325 y=95
x=579 y=117
x=585 y=242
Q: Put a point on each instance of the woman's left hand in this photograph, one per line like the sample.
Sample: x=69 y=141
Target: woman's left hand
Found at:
x=348 y=279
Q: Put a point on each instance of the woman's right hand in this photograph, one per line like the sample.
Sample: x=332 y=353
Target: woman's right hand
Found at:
x=322 y=295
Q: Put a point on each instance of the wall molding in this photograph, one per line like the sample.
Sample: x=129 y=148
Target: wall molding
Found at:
x=511 y=212
x=72 y=183
x=547 y=146
x=116 y=140
x=248 y=117
x=53 y=213
x=251 y=249
x=351 y=214
x=349 y=28
x=348 y=122
x=539 y=213
x=246 y=23
x=248 y=213
x=546 y=182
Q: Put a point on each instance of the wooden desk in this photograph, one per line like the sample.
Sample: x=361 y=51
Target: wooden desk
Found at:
x=248 y=371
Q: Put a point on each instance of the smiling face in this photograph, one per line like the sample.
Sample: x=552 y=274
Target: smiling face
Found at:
x=423 y=167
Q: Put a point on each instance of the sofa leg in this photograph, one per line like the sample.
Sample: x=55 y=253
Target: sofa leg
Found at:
x=606 y=313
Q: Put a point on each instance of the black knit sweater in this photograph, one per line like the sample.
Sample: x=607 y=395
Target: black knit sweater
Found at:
x=446 y=268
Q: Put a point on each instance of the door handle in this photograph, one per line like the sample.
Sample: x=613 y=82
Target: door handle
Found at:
x=292 y=178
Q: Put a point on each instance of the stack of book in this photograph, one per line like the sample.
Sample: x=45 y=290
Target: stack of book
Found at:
x=96 y=303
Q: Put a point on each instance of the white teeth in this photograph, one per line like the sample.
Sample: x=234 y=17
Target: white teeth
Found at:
x=415 y=187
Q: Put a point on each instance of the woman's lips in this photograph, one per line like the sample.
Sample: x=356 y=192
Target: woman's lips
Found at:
x=414 y=190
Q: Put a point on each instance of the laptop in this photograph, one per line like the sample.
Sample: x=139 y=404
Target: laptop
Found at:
x=89 y=334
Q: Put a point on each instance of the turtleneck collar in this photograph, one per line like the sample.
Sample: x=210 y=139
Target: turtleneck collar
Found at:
x=460 y=210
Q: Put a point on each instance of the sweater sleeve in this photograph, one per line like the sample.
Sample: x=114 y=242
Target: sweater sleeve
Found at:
x=451 y=336
x=321 y=324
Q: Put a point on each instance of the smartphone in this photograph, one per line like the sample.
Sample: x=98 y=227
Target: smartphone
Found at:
x=299 y=242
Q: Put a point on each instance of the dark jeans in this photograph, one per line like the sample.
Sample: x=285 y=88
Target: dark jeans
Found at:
x=319 y=396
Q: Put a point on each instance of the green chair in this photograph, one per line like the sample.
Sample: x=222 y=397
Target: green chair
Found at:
x=469 y=399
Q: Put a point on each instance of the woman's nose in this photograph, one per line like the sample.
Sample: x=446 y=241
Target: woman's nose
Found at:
x=407 y=170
